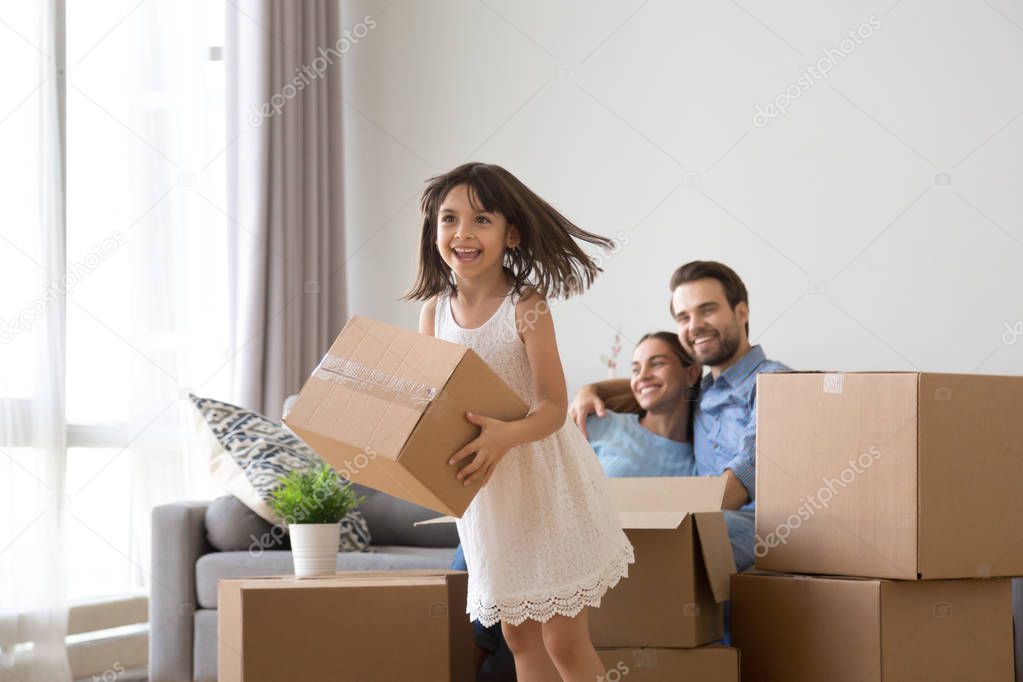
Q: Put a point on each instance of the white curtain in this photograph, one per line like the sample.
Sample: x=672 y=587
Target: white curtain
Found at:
x=113 y=298
x=33 y=608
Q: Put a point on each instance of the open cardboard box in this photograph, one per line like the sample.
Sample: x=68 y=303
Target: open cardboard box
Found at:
x=890 y=474
x=386 y=408
x=673 y=594
x=806 y=629
x=357 y=625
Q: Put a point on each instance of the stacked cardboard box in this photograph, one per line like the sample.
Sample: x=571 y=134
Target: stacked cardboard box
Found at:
x=904 y=486
x=358 y=625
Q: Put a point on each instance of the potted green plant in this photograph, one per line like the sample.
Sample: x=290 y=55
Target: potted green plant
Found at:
x=312 y=503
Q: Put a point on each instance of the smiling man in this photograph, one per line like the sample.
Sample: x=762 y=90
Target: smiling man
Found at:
x=710 y=306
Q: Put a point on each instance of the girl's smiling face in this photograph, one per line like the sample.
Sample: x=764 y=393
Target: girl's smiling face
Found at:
x=470 y=239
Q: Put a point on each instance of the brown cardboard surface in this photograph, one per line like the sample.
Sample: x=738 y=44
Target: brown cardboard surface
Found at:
x=705 y=664
x=387 y=407
x=947 y=630
x=685 y=494
x=971 y=463
x=718 y=559
x=948 y=451
x=806 y=629
x=381 y=626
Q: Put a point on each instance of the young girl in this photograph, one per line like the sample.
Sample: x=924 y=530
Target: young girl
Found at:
x=542 y=539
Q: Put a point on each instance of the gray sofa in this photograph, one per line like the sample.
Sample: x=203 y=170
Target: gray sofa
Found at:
x=196 y=544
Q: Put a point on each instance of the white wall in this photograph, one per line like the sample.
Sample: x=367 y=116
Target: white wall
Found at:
x=637 y=117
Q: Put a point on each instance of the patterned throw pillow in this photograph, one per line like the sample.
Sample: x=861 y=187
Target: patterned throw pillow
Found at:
x=250 y=452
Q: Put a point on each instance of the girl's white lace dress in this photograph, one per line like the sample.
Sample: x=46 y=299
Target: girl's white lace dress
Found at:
x=542 y=537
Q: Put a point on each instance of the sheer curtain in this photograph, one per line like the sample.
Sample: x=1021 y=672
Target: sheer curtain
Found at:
x=33 y=608
x=113 y=298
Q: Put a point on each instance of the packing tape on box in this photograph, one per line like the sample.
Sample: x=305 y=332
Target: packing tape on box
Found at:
x=369 y=380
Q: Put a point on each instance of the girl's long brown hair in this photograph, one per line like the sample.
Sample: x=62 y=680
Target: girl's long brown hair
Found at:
x=547 y=258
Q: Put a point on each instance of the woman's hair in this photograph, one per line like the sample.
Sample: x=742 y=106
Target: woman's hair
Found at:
x=547 y=258
x=693 y=393
x=671 y=339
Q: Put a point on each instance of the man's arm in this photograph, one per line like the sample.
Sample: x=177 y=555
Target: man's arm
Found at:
x=735 y=492
x=608 y=388
x=590 y=399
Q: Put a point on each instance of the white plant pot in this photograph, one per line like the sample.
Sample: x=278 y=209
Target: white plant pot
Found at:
x=314 y=548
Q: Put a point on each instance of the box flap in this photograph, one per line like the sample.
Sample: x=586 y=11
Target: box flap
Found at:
x=651 y=520
x=657 y=502
x=684 y=494
x=439 y=519
x=716 y=549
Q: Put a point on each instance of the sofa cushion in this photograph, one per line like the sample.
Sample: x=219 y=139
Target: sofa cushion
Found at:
x=390 y=521
x=231 y=526
x=211 y=568
x=249 y=454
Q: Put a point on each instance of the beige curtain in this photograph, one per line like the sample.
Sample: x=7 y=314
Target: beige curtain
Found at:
x=284 y=193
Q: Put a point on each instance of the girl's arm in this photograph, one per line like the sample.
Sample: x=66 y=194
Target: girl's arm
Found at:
x=536 y=329
x=426 y=316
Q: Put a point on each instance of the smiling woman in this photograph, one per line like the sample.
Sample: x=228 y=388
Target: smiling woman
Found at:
x=655 y=439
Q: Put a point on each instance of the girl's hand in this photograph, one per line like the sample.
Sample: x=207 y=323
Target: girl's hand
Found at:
x=490 y=446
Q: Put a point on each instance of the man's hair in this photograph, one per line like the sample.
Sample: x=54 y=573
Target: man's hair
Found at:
x=735 y=290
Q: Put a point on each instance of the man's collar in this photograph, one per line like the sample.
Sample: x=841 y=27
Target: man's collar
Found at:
x=740 y=370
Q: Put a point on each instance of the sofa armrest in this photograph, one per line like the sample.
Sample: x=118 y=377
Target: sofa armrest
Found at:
x=179 y=539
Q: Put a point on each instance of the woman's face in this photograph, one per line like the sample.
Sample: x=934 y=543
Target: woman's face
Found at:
x=659 y=379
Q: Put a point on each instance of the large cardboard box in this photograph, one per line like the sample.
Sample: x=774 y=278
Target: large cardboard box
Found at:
x=386 y=407
x=808 y=629
x=710 y=663
x=359 y=625
x=672 y=596
x=890 y=475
